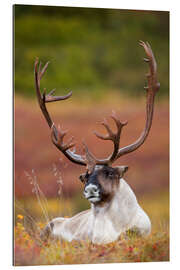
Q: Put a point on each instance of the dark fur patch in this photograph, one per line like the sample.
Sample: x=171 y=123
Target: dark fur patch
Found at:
x=51 y=225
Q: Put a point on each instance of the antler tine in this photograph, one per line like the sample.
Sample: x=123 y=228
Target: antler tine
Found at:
x=43 y=70
x=91 y=161
x=118 y=123
x=110 y=134
x=39 y=69
x=114 y=137
x=57 y=135
x=57 y=139
x=41 y=98
x=49 y=97
x=153 y=84
x=117 y=135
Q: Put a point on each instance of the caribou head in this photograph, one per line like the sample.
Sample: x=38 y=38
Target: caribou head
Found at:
x=101 y=181
x=101 y=185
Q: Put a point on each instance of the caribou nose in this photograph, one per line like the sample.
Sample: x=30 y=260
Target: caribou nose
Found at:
x=91 y=189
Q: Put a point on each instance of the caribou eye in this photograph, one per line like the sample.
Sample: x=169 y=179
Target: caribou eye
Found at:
x=110 y=174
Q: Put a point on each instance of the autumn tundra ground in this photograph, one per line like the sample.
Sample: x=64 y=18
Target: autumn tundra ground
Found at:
x=47 y=185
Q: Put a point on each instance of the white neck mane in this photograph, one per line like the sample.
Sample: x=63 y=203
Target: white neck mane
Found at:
x=115 y=217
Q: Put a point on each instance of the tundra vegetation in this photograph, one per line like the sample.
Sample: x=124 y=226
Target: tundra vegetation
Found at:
x=35 y=213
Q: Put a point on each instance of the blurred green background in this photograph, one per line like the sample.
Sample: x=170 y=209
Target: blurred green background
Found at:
x=90 y=50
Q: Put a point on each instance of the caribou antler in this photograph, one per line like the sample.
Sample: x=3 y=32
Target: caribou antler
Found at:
x=57 y=135
x=152 y=88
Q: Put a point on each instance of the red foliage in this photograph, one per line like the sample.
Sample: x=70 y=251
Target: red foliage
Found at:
x=149 y=166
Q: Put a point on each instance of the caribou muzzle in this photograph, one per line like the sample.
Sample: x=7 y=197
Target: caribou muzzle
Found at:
x=92 y=193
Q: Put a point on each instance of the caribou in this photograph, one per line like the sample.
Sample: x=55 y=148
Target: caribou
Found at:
x=114 y=207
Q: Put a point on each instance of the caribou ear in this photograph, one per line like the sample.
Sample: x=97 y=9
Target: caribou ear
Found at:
x=122 y=170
